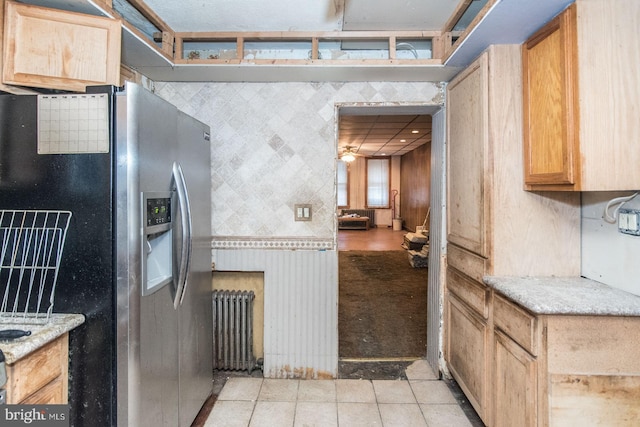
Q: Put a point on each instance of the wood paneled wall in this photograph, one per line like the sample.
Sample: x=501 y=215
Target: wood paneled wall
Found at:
x=415 y=186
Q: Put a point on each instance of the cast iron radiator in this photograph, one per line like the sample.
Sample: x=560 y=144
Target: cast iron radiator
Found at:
x=233 y=330
x=369 y=213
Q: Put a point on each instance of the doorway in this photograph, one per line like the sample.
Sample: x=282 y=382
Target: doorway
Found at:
x=369 y=242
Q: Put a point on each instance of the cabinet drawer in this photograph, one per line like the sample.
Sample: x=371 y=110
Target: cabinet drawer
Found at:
x=467 y=262
x=34 y=371
x=474 y=294
x=521 y=326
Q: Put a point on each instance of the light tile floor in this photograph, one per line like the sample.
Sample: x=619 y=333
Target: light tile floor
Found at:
x=421 y=400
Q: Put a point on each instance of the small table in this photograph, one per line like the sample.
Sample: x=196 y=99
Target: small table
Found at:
x=353 y=223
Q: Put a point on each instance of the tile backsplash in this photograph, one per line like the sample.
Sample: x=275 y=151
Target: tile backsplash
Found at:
x=273 y=145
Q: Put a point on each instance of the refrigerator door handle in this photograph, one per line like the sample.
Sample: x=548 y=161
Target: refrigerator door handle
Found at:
x=185 y=215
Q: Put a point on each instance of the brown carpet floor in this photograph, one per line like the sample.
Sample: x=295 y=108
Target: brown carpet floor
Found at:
x=382 y=308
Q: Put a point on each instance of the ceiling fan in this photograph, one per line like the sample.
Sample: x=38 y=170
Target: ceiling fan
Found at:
x=348 y=154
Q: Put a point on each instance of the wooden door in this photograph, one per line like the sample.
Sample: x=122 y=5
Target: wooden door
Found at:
x=466 y=349
x=551 y=125
x=467 y=142
x=515 y=385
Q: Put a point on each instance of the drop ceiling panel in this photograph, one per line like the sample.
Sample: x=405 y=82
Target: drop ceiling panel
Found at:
x=388 y=126
x=379 y=139
x=381 y=134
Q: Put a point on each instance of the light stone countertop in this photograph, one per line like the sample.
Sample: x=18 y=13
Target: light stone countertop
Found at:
x=41 y=334
x=566 y=295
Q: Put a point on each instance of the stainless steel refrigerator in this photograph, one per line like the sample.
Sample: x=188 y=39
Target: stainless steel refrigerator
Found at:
x=135 y=173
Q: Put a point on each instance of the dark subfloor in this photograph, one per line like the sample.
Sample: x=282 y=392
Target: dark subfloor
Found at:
x=382 y=306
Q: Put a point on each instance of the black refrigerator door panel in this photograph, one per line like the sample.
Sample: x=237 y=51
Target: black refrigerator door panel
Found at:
x=82 y=184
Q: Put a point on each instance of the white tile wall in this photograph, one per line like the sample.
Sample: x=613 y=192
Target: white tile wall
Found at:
x=274 y=145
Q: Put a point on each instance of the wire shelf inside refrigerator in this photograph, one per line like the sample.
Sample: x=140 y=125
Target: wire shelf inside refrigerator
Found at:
x=30 y=255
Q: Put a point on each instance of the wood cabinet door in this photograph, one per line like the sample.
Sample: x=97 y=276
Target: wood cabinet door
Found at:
x=51 y=394
x=467 y=142
x=551 y=124
x=41 y=377
x=466 y=352
x=56 y=49
x=515 y=384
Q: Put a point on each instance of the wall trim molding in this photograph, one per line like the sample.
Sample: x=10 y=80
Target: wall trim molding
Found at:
x=278 y=243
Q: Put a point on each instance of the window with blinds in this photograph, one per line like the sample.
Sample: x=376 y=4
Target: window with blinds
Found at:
x=378 y=182
x=343 y=184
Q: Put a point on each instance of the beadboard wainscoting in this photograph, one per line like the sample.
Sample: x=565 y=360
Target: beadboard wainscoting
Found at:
x=437 y=243
x=300 y=308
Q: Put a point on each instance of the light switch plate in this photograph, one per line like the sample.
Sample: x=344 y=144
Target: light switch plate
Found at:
x=302 y=212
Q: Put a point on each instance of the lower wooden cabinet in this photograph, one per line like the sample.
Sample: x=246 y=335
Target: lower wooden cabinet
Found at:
x=592 y=370
x=42 y=376
x=53 y=393
x=514 y=384
x=518 y=368
x=468 y=340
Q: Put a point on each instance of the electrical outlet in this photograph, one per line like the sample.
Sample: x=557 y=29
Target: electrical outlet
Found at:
x=629 y=221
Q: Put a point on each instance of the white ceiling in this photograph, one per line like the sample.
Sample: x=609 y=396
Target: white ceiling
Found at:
x=303 y=15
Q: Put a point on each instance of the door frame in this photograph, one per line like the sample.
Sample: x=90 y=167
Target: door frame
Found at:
x=437 y=221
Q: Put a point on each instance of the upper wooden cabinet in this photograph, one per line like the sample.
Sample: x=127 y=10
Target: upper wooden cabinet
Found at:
x=581 y=99
x=550 y=121
x=56 y=49
x=467 y=118
x=503 y=229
